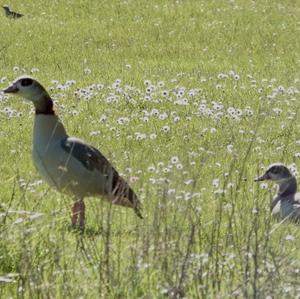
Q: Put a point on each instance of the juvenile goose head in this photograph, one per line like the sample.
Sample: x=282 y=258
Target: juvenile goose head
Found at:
x=282 y=176
x=276 y=172
x=33 y=91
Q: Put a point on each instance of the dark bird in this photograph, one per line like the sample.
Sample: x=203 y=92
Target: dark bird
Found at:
x=11 y=14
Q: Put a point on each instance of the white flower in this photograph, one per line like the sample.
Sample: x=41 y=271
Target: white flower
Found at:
x=213 y=130
x=87 y=71
x=149 y=90
x=115 y=85
x=165 y=129
x=103 y=118
x=215 y=183
x=188 y=182
x=230 y=148
x=174 y=160
x=161 y=84
x=220 y=191
x=236 y=77
x=171 y=191
x=94 y=133
x=281 y=89
x=154 y=112
x=166 y=170
x=179 y=166
x=231 y=73
x=289 y=238
x=163 y=116
x=34 y=70
x=263 y=186
x=165 y=93
x=123 y=120
x=222 y=76
x=230 y=185
x=277 y=111
x=180 y=92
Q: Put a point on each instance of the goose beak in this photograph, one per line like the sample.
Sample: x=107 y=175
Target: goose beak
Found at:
x=11 y=89
x=262 y=178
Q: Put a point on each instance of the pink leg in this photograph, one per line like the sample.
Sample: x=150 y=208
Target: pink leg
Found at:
x=78 y=209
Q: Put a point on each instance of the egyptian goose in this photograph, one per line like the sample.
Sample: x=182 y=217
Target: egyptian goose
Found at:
x=11 y=14
x=286 y=204
x=69 y=164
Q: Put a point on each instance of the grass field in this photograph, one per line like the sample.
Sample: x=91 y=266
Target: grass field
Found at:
x=190 y=100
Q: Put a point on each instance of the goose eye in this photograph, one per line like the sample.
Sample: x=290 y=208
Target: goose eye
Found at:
x=276 y=170
x=26 y=82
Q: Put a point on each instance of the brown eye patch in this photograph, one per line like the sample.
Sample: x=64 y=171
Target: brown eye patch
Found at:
x=275 y=170
x=26 y=82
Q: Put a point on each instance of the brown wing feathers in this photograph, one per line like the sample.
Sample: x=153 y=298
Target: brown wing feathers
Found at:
x=123 y=195
x=118 y=191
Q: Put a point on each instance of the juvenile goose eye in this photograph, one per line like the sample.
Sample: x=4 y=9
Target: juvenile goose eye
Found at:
x=276 y=170
x=26 y=82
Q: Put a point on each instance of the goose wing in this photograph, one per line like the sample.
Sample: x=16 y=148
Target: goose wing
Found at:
x=117 y=189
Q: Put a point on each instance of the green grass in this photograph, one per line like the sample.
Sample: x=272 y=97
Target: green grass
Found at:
x=195 y=241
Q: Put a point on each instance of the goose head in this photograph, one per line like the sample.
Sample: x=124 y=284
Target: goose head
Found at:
x=30 y=89
x=277 y=173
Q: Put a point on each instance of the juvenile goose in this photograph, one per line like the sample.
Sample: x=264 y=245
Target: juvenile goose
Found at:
x=11 y=14
x=69 y=164
x=286 y=204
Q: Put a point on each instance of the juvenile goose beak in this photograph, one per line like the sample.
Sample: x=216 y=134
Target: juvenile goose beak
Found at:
x=11 y=89
x=262 y=178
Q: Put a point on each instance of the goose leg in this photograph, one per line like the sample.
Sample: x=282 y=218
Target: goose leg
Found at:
x=78 y=211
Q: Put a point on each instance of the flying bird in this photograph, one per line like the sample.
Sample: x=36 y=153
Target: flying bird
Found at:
x=69 y=164
x=286 y=204
x=11 y=14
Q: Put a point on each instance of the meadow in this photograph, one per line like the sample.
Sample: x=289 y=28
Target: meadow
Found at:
x=190 y=100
